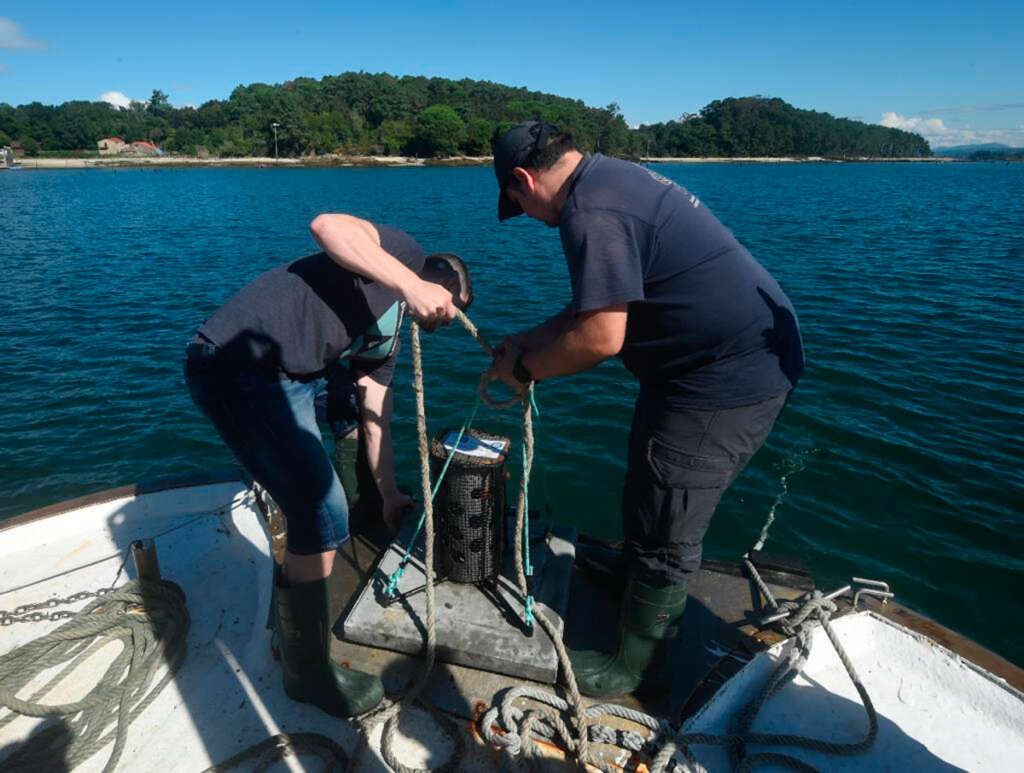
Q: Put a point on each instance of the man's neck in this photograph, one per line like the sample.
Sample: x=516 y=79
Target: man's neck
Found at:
x=561 y=174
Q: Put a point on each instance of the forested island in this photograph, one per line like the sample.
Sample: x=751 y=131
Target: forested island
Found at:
x=378 y=114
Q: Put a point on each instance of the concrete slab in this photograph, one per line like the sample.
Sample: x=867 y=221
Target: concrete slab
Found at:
x=475 y=626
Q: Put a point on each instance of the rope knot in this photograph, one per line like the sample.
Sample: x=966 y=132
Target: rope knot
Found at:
x=801 y=609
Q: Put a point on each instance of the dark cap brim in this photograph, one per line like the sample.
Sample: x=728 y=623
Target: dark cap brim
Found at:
x=506 y=207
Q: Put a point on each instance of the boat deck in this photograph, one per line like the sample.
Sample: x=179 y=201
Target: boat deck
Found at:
x=227 y=698
x=719 y=618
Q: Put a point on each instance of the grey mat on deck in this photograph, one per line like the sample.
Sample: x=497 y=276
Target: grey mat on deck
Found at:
x=473 y=626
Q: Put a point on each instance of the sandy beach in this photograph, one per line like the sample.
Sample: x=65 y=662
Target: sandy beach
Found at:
x=119 y=162
x=123 y=162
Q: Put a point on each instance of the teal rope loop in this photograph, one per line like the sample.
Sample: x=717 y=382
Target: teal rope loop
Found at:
x=526 y=522
x=392 y=586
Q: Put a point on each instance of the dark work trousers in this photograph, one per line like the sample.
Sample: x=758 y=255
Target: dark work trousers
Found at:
x=681 y=461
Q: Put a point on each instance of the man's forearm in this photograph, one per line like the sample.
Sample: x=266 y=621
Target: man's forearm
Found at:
x=546 y=332
x=586 y=341
x=355 y=244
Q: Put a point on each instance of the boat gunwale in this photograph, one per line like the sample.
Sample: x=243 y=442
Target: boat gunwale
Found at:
x=969 y=650
x=961 y=645
x=151 y=486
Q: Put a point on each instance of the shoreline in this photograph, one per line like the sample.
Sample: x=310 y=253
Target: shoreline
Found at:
x=796 y=160
x=257 y=162
x=339 y=161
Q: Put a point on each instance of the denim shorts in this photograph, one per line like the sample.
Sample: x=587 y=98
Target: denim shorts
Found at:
x=269 y=421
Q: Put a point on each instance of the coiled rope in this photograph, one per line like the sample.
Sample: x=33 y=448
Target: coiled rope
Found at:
x=664 y=743
x=151 y=621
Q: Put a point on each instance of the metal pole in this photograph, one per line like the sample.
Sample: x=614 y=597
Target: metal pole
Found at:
x=274 y=127
x=146 y=564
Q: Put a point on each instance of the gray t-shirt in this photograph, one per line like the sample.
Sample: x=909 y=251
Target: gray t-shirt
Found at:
x=301 y=317
x=707 y=326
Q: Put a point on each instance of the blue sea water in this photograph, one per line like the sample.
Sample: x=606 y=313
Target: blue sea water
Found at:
x=902 y=444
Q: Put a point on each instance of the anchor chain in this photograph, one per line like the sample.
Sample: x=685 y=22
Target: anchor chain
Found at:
x=29 y=613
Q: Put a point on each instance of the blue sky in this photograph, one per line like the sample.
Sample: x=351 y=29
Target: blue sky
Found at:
x=953 y=71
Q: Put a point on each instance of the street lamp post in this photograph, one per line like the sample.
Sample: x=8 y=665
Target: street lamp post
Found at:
x=274 y=126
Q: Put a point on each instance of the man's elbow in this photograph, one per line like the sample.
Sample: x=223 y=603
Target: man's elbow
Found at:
x=608 y=346
x=605 y=332
x=610 y=337
x=601 y=345
x=331 y=222
x=319 y=225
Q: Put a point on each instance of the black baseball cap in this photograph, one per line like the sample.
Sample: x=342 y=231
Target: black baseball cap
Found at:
x=513 y=150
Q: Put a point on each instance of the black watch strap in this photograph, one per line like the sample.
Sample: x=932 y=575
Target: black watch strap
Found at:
x=520 y=371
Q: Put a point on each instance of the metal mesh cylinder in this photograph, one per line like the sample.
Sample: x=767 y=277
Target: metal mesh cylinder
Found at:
x=469 y=512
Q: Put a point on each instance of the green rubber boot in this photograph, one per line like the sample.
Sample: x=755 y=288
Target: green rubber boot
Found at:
x=364 y=502
x=647 y=625
x=346 y=454
x=303 y=627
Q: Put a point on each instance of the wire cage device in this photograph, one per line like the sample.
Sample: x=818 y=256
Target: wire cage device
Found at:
x=469 y=509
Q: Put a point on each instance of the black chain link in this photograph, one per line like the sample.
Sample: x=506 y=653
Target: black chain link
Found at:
x=27 y=613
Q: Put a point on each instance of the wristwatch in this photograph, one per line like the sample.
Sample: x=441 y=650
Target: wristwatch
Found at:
x=521 y=372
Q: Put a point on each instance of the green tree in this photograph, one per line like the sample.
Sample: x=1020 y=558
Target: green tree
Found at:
x=438 y=132
x=158 y=101
x=478 y=137
x=611 y=130
x=393 y=137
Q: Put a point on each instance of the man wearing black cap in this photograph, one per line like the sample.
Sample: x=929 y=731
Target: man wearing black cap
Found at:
x=709 y=334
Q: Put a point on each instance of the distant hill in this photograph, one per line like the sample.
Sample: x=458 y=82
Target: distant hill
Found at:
x=963 y=151
x=763 y=126
x=359 y=113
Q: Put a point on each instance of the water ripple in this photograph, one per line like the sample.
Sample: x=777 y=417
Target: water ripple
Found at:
x=906 y=280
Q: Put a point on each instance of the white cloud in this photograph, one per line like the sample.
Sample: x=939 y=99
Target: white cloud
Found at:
x=116 y=98
x=13 y=38
x=913 y=124
x=941 y=136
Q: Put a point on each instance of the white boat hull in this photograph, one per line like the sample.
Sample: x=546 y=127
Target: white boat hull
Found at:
x=227 y=696
x=936 y=711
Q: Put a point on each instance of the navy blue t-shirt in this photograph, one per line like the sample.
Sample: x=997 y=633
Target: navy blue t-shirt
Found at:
x=303 y=316
x=707 y=326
